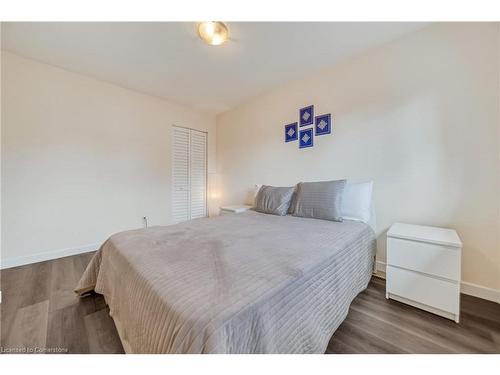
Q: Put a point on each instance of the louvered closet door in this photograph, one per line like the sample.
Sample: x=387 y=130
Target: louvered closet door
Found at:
x=198 y=174
x=189 y=174
x=180 y=174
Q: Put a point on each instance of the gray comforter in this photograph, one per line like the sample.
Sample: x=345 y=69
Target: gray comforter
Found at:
x=239 y=283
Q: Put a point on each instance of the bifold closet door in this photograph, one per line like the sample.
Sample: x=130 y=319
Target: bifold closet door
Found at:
x=180 y=174
x=189 y=174
x=198 y=173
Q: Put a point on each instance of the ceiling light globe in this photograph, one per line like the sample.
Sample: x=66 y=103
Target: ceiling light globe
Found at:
x=213 y=32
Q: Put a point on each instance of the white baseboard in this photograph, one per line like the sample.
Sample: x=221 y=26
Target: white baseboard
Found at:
x=41 y=257
x=479 y=291
x=470 y=289
x=380 y=267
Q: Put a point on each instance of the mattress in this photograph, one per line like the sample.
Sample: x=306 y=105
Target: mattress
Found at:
x=239 y=283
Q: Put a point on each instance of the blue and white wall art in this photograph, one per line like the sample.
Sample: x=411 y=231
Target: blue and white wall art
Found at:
x=291 y=132
x=306 y=115
x=306 y=138
x=323 y=124
x=320 y=125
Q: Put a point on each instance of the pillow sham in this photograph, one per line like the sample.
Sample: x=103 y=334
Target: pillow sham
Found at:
x=293 y=201
x=273 y=200
x=357 y=201
x=319 y=200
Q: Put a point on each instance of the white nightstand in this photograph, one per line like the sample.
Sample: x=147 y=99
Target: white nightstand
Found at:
x=234 y=209
x=424 y=267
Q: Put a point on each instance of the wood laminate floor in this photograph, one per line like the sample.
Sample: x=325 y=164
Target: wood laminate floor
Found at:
x=40 y=312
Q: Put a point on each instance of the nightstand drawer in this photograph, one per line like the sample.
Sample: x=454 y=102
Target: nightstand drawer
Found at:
x=440 y=294
x=432 y=259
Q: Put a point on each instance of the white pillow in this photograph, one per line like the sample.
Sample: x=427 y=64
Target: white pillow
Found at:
x=357 y=201
x=256 y=190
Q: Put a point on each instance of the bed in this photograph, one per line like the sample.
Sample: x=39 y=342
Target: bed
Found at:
x=239 y=283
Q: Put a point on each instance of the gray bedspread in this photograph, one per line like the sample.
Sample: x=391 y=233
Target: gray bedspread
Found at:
x=238 y=283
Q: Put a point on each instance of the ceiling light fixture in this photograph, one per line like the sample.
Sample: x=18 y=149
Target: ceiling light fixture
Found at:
x=213 y=32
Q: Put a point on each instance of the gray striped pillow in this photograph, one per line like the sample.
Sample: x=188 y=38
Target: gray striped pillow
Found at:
x=273 y=200
x=319 y=200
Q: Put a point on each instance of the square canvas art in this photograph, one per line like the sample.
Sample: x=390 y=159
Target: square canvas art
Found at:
x=306 y=115
x=323 y=124
x=291 y=132
x=306 y=138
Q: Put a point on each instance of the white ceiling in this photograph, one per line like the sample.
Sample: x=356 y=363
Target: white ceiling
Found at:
x=167 y=59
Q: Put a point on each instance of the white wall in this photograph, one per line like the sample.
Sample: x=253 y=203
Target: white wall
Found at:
x=418 y=116
x=82 y=159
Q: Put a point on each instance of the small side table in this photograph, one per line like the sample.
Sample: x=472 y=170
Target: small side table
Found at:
x=234 y=209
x=423 y=268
